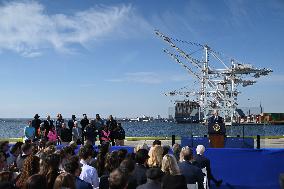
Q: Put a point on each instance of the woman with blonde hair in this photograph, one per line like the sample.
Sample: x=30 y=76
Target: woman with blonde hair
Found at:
x=155 y=156
x=172 y=178
x=183 y=151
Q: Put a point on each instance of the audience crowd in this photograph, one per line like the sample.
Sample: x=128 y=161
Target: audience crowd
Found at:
x=56 y=155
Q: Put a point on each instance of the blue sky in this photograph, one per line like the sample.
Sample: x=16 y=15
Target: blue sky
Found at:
x=103 y=56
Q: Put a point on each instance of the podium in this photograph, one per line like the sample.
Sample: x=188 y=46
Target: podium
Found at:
x=216 y=131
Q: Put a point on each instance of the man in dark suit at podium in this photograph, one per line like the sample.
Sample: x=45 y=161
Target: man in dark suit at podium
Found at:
x=216 y=130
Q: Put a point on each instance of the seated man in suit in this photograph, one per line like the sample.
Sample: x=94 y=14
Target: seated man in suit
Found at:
x=154 y=177
x=203 y=162
x=191 y=172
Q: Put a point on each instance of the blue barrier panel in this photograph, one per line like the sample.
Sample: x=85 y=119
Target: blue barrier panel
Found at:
x=231 y=142
x=247 y=168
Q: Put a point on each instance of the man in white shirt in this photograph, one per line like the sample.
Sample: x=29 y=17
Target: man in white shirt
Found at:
x=88 y=174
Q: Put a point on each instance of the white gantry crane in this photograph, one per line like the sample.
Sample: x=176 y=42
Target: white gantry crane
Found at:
x=218 y=77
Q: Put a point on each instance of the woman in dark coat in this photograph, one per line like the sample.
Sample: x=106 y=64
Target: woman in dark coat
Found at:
x=172 y=178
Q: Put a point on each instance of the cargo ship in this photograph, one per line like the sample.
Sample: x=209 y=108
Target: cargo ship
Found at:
x=187 y=112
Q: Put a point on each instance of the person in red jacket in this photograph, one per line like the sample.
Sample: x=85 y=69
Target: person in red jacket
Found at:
x=105 y=135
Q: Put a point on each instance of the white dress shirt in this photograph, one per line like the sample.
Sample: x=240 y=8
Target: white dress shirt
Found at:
x=89 y=174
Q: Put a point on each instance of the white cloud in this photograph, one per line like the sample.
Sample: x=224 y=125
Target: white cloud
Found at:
x=26 y=28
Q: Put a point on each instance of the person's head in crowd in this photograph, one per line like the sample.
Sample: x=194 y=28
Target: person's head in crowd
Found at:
x=128 y=166
x=34 y=149
x=30 y=123
x=48 y=117
x=91 y=148
x=68 y=151
x=75 y=124
x=130 y=156
x=186 y=154
x=98 y=116
x=200 y=149
x=121 y=154
x=176 y=150
x=110 y=117
x=59 y=116
x=169 y=165
x=63 y=125
x=26 y=149
x=53 y=128
x=41 y=126
x=73 y=117
x=85 y=154
x=166 y=149
x=4 y=146
x=85 y=116
x=112 y=161
x=42 y=143
x=36 y=116
x=118 y=179
x=105 y=127
x=73 y=166
x=50 y=149
x=31 y=166
x=104 y=148
x=6 y=176
x=141 y=146
x=155 y=156
x=141 y=157
x=64 y=180
x=16 y=148
x=50 y=164
x=155 y=174
x=35 y=181
x=157 y=142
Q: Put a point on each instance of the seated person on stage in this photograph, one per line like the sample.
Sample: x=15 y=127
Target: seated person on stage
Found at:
x=203 y=162
x=191 y=172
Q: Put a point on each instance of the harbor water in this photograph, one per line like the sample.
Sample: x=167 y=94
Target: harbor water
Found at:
x=14 y=128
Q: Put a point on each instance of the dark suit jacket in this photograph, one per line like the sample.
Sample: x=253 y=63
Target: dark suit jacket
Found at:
x=80 y=184
x=48 y=125
x=174 y=182
x=192 y=174
x=203 y=162
x=150 y=184
x=212 y=121
x=140 y=174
